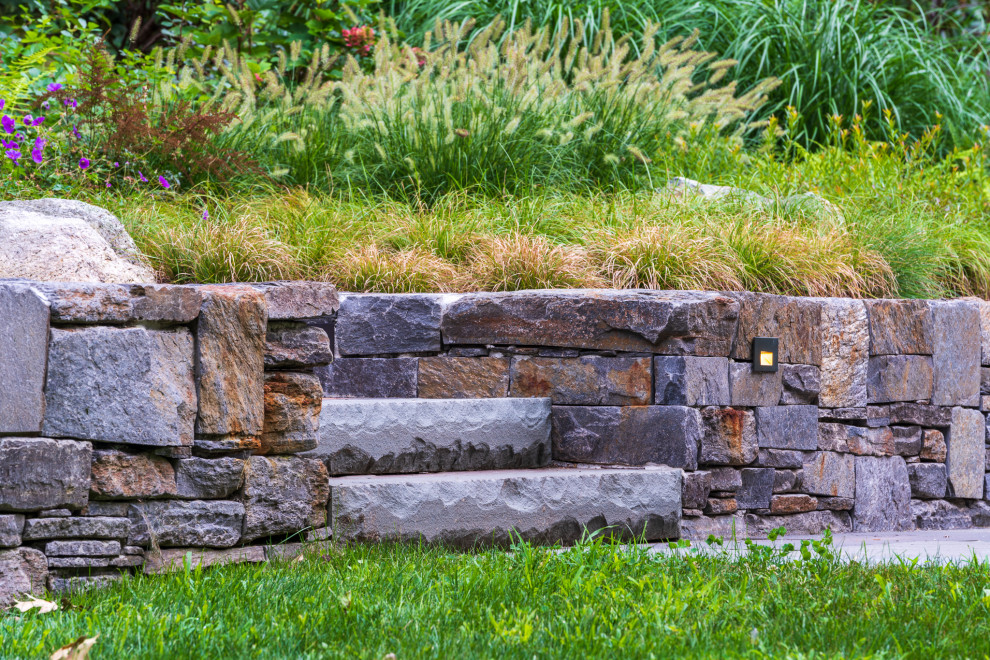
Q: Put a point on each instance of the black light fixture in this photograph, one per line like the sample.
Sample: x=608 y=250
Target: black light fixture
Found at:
x=765 y=353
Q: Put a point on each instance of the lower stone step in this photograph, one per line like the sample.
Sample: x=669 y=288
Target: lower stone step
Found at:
x=549 y=505
x=396 y=436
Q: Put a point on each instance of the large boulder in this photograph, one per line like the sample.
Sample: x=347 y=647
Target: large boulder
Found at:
x=60 y=240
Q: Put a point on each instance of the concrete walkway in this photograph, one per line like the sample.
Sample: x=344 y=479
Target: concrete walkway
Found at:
x=960 y=545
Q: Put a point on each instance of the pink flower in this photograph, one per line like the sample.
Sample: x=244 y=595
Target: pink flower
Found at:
x=165 y=184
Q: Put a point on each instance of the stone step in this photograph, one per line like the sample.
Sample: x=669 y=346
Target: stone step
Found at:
x=397 y=436
x=548 y=505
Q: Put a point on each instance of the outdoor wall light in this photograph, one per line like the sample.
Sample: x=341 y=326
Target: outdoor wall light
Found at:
x=765 y=353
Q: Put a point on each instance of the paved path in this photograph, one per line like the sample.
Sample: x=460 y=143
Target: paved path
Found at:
x=925 y=546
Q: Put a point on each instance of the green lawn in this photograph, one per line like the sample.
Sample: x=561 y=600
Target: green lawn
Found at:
x=595 y=600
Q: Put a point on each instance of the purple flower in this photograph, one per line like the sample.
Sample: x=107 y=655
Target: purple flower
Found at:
x=46 y=105
x=71 y=103
x=13 y=154
x=39 y=143
x=38 y=156
x=165 y=184
x=9 y=125
x=2 y=103
x=141 y=177
x=28 y=120
x=116 y=164
x=38 y=121
x=108 y=184
x=20 y=136
x=206 y=214
x=54 y=87
x=76 y=133
x=83 y=163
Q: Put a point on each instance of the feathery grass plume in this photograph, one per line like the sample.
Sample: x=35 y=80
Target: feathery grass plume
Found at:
x=519 y=261
x=374 y=269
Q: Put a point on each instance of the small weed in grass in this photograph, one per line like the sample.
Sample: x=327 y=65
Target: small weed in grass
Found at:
x=592 y=600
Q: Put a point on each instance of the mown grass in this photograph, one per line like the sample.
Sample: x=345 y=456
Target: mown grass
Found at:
x=595 y=600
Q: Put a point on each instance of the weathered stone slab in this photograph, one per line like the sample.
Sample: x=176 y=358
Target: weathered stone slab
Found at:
x=845 y=353
x=801 y=384
x=907 y=440
x=786 y=481
x=105 y=509
x=388 y=323
x=295 y=345
x=11 y=525
x=787 y=427
x=883 y=495
x=230 y=361
x=55 y=513
x=22 y=571
x=695 y=489
x=756 y=489
x=292 y=412
x=287 y=301
x=464 y=378
x=543 y=506
x=691 y=381
x=41 y=473
x=810 y=523
x=871 y=442
x=957 y=354
x=728 y=437
x=720 y=506
x=215 y=523
x=726 y=479
x=965 y=458
x=796 y=321
x=724 y=527
x=834 y=437
x=984 y=387
x=939 y=514
x=793 y=503
x=241 y=445
x=282 y=495
x=901 y=327
x=368 y=436
x=118 y=475
x=590 y=380
x=781 y=458
x=920 y=414
x=122 y=385
x=830 y=473
x=173 y=559
x=627 y=435
x=370 y=377
x=928 y=480
x=900 y=378
x=933 y=446
x=82 y=548
x=79 y=583
x=23 y=354
x=91 y=527
x=669 y=322
x=208 y=478
x=751 y=388
x=78 y=562
x=835 y=503
x=89 y=303
x=843 y=414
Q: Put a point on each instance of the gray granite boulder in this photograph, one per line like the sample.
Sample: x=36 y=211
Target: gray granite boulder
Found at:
x=483 y=508
x=966 y=456
x=756 y=488
x=42 y=473
x=11 y=525
x=939 y=514
x=23 y=571
x=831 y=474
x=957 y=354
x=208 y=478
x=24 y=340
x=883 y=495
x=845 y=337
x=801 y=384
x=283 y=495
x=928 y=480
x=787 y=427
x=385 y=323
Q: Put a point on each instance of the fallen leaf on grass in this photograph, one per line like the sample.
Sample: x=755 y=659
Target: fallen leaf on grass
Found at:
x=43 y=606
x=77 y=650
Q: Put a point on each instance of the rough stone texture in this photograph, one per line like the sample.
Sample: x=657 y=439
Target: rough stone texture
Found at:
x=40 y=473
x=907 y=440
x=546 y=506
x=883 y=495
x=728 y=438
x=80 y=583
x=756 y=489
x=835 y=437
x=283 y=495
x=55 y=513
x=785 y=481
x=956 y=358
x=726 y=479
x=836 y=503
x=669 y=322
x=127 y=385
x=24 y=341
x=208 y=478
x=289 y=301
x=900 y=378
x=966 y=454
x=797 y=503
x=920 y=414
x=928 y=480
x=877 y=416
x=383 y=323
x=939 y=514
x=751 y=388
x=11 y=525
x=76 y=528
x=22 y=571
x=589 y=380
x=367 y=436
x=787 y=427
x=118 y=475
x=984 y=386
x=230 y=354
x=796 y=321
x=464 y=378
x=871 y=442
x=89 y=303
x=104 y=509
x=292 y=413
x=293 y=345
x=845 y=353
x=215 y=523
x=691 y=381
x=38 y=245
x=724 y=527
x=370 y=377
x=801 y=384
x=221 y=445
x=721 y=506
x=82 y=548
x=810 y=523
x=780 y=458
x=843 y=414
x=173 y=559
x=901 y=327
x=695 y=489
x=830 y=473
x=629 y=435
x=78 y=562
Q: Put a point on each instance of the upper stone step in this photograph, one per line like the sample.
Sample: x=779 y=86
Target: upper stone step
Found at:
x=394 y=436
x=548 y=505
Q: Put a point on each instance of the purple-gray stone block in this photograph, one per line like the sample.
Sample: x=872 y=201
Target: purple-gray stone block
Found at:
x=370 y=377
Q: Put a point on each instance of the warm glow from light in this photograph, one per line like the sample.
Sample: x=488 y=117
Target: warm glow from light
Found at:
x=766 y=359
